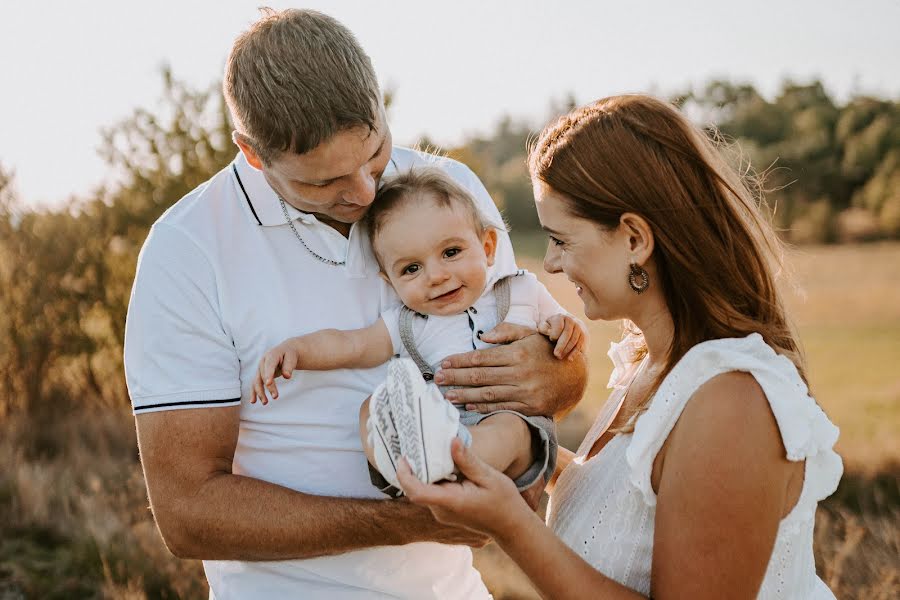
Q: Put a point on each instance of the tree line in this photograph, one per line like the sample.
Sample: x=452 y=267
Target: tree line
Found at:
x=829 y=172
x=832 y=170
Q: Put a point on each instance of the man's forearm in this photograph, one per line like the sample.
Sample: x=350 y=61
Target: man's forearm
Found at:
x=239 y=518
x=572 y=381
x=203 y=510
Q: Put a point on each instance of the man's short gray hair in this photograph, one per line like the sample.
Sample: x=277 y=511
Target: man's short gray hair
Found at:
x=295 y=79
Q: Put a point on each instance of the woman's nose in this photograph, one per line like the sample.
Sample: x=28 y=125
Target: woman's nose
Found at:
x=552 y=259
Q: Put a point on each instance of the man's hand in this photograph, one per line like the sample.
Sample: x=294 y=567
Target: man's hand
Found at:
x=521 y=375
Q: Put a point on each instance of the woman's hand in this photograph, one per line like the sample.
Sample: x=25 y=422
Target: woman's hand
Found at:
x=486 y=500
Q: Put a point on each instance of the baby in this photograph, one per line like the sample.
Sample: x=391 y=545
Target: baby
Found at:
x=436 y=250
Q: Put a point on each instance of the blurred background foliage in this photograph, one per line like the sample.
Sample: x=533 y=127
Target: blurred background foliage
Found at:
x=74 y=520
x=832 y=174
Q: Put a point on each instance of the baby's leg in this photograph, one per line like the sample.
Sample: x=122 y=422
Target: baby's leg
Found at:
x=504 y=442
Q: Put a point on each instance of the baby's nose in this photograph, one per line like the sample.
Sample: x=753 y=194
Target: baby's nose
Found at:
x=439 y=275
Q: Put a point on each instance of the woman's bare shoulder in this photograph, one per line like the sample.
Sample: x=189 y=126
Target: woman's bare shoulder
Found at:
x=729 y=417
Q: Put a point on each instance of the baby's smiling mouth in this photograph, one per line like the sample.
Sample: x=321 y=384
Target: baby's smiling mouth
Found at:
x=448 y=295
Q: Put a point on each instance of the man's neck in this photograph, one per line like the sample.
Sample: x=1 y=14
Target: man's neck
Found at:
x=341 y=228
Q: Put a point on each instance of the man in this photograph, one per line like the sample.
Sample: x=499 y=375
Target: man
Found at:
x=276 y=500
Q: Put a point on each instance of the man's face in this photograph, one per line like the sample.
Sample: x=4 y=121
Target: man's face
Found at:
x=337 y=179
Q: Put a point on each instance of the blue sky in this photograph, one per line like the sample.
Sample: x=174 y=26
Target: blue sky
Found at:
x=71 y=68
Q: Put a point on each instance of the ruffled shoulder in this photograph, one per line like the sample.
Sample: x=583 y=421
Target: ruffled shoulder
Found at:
x=806 y=431
x=624 y=355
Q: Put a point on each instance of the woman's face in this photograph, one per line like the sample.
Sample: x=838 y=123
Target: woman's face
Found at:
x=594 y=259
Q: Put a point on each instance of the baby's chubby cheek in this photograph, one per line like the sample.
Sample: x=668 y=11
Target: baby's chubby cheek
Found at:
x=410 y=296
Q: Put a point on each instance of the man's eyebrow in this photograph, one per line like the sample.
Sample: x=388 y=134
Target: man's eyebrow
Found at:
x=377 y=152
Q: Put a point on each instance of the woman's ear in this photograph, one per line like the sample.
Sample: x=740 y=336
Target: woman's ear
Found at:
x=489 y=239
x=638 y=237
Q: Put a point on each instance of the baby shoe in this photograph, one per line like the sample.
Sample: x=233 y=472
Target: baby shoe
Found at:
x=424 y=420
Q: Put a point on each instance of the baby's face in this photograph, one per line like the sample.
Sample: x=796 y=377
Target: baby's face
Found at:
x=434 y=257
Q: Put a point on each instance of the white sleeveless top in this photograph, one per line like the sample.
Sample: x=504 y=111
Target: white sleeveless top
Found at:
x=604 y=508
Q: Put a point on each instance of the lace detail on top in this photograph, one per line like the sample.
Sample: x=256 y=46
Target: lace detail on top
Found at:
x=604 y=508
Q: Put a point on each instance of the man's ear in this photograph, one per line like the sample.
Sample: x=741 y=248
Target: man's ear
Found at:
x=638 y=237
x=249 y=153
x=489 y=239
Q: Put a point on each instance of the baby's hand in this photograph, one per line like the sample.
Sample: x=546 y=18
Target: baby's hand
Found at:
x=279 y=361
x=568 y=333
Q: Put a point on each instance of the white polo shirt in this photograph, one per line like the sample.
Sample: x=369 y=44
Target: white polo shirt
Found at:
x=222 y=278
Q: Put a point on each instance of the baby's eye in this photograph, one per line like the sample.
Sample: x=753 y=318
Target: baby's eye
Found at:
x=410 y=270
x=451 y=252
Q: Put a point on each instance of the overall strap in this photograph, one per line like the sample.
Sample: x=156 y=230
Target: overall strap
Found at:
x=501 y=295
x=406 y=336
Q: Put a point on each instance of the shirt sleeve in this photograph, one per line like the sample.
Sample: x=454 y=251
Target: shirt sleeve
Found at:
x=546 y=304
x=531 y=303
x=177 y=352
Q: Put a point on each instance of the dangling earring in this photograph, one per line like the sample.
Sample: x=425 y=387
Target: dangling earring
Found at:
x=638 y=278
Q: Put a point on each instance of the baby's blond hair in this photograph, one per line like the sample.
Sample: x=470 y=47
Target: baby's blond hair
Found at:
x=412 y=185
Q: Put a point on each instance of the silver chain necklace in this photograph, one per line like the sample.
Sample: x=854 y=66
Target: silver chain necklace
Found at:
x=290 y=223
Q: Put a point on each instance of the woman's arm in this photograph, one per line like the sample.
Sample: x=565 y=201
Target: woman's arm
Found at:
x=723 y=486
x=322 y=350
x=554 y=569
x=488 y=501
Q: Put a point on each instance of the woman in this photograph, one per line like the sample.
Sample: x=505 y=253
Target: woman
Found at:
x=701 y=476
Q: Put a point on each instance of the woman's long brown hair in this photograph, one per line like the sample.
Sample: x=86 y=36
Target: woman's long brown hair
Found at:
x=715 y=251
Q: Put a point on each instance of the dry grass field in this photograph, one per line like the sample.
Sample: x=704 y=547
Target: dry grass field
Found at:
x=74 y=521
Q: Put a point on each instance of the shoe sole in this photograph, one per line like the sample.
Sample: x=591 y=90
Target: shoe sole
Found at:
x=406 y=388
x=385 y=440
